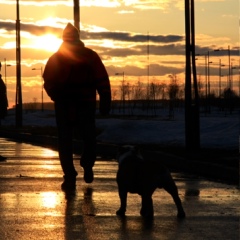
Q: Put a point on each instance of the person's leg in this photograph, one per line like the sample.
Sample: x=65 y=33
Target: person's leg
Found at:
x=65 y=150
x=65 y=144
x=89 y=148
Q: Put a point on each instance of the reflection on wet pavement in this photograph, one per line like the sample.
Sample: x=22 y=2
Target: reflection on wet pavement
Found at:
x=18 y=150
x=32 y=205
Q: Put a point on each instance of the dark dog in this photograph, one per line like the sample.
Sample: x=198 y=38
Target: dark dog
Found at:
x=135 y=175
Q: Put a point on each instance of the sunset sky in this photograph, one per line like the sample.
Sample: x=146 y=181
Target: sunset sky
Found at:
x=118 y=31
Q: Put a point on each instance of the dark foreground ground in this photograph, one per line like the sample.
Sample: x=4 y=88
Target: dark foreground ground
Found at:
x=32 y=205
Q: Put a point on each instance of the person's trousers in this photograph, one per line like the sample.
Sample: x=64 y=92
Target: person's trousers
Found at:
x=72 y=121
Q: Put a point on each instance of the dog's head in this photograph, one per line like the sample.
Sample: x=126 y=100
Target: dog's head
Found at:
x=128 y=151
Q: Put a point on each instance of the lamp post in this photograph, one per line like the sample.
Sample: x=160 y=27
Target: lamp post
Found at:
x=76 y=14
x=123 y=90
x=192 y=122
x=208 y=74
x=18 y=101
x=229 y=67
x=239 y=77
x=209 y=88
x=5 y=72
x=206 y=69
x=229 y=64
x=42 y=86
x=235 y=68
x=220 y=76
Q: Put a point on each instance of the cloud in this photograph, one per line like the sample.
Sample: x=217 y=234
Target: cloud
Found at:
x=126 y=12
x=38 y=2
x=155 y=70
x=126 y=43
x=129 y=37
x=147 y=4
x=31 y=28
x=142 y=5
x=139 y=50
x=116 y=36
x=166 y=51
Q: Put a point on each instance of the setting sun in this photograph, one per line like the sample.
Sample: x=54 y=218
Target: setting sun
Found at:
x=48 y=42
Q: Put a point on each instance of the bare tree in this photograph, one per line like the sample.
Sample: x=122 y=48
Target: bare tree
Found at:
x=138 y=91
x=173 y=90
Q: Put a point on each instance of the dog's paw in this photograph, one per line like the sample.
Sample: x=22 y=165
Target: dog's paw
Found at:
x=181 y=215
x=146 y=214
x=120 y=212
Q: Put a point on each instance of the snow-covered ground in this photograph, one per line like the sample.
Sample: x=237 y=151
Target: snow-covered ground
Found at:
x=217 y=130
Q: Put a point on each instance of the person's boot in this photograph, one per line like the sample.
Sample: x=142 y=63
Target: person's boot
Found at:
x=69 y=183
x=88 y=174
x=2 y=158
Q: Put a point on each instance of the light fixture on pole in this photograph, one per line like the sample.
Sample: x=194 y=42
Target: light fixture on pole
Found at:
x=42 y=86
x=121 y=73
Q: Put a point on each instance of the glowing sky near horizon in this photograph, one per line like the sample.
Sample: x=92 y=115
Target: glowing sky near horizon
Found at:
x=118 y=31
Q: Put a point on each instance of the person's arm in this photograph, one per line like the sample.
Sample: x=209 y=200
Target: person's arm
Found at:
x=103 y=86
x=55 y=73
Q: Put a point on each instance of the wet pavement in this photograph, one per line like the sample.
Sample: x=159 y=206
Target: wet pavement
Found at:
x=32 y=205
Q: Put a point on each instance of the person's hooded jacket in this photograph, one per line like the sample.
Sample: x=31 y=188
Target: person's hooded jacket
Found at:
x=75 y=72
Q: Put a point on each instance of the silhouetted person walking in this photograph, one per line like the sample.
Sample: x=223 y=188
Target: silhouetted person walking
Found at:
x=71 y=78
x=3 y=103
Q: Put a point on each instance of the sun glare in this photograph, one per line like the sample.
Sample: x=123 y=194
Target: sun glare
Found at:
x=49 y=199
x=9 y=45
x=108 y=43
x=50 y=21
x=48 y=42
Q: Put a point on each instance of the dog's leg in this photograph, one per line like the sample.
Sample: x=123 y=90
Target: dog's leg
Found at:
x=147 y=203
x=123 y=199
x=171 y=188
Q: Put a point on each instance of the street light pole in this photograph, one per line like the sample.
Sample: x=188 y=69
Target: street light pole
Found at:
x=192 y=128
x=208 y=82
x=234 y=68
x=123 y=90
x=5 y=72
x=239 y=75
x=42 y=86
x=18 y=103
x=220 y=77
x=229 y=65
x=76 y=14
